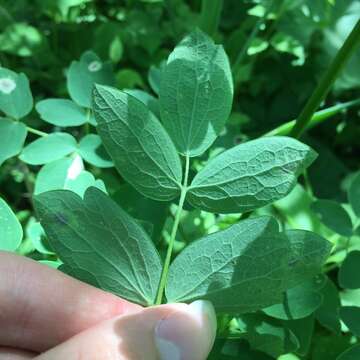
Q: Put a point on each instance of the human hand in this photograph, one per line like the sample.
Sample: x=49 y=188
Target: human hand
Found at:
x=46 y=315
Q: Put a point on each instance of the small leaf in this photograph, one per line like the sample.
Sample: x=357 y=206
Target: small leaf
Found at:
x=328 y=313
x=354 y=194
x=196 y=93
x=11 y=232
x=13 y=135
x=54 y=176
x=92 y=151
x=334 y=216
x=35 y=233
x=141 y=149
x=61 y=112
x=68 y=174
x=82 y=182
x=97 y=237
x=16 y=99
x=250 y=175
x=299 y=302
x=350 y=354
x=349 y=271
x=350 y=315
x=48 y=148
x=246 y=267
x=84 y=74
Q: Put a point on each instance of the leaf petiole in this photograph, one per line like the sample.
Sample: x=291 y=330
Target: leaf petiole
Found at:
x=184 y=189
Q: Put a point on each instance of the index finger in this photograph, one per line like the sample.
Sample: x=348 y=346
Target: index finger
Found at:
x=41 y=307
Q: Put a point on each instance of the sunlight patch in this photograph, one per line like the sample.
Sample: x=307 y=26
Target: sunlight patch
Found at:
x=7 y=85
x=94 y=66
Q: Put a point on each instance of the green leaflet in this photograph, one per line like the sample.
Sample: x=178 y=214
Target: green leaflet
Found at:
x=13 y=136
x=139 y=146
x=334 y=216
x=196 y=93
x=61 y=112
x=250 y=175
x=56 y=174
x=354 y=194
x=11 y=232
x=247 y=266
x=48 y=148
x=298 y=303
x=348 y=275
x=95 y=236
x=92 y=151
x=328 y=313
x=16 y=100
x=350 y=315
x=84 y=74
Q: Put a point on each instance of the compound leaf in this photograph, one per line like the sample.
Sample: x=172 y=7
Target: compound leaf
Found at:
x=250 y=175
x=13 y=136
x=139 y=146
x=95 y=236
x=84 y=74
x=246 y=267
x=334 y=216
x=48 y=148
x=11 y=232
x=196 y=93
x=61 y=112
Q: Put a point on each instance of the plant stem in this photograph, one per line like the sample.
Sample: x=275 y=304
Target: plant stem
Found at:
x=163 y=279
x=327 y=81
x=210 y=15
x=316 y=119
x=36 y=132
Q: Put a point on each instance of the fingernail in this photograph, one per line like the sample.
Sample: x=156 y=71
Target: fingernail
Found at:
x=179 y=336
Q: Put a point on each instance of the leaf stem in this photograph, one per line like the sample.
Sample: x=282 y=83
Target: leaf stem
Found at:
x=36 y=132
x=327 y=81
x=316 y=119
x=210 y=15
x=164 y=274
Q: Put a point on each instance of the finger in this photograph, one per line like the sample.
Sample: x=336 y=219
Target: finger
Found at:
x=41 y=307
x=167 y=332
x=12 y=354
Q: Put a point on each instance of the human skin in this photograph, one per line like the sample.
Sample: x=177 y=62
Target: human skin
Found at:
x=47 y=315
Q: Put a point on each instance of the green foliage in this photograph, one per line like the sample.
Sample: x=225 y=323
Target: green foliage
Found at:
x=12 y=138
x=61 y=112
x=49 y=148
x=11 y=232
x=141 y=149
x=210 y=206
x=15 y=96
x=246 y=267
x=196 y=93
x=96 y=236
x=266 y=172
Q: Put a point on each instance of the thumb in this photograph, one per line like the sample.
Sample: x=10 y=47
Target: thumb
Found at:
x=165 y=332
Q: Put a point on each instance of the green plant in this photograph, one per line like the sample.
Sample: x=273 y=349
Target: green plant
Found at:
x=213 y=200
